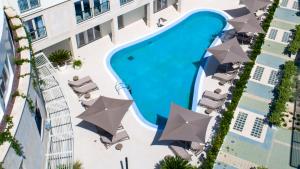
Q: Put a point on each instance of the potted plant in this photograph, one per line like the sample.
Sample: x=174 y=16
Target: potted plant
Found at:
x=77 y=64
x=60 y=58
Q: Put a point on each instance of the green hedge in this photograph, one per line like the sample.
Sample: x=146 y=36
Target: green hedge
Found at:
x=294 y=46
x=237 y=93
x=283 y=92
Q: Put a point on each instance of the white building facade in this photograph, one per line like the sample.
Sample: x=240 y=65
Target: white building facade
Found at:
x=71 y=24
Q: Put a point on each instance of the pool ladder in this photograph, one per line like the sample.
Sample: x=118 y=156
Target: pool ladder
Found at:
x=120 y=86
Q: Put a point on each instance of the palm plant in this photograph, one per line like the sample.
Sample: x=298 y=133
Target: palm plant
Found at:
x=175 y=163
x=60 y=56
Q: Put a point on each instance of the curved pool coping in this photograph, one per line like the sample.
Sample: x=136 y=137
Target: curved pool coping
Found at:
x=200 y=76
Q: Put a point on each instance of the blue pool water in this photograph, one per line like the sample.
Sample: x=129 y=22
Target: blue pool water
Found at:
x=163 y=69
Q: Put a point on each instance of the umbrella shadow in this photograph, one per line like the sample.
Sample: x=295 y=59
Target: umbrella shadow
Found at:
x=212 y=65
x=161 y=122
x=238 y=12
x=88 y=126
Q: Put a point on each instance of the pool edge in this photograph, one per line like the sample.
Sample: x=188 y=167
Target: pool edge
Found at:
x=199 y=79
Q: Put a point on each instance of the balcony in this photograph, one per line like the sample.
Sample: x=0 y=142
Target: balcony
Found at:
x=123 y=2
x=83 y=15
x=101 y=8
x=38 y=34
x=26 y=5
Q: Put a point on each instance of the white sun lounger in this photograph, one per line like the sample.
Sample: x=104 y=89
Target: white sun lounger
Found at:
x=205 y=102
x=181 y=152
x=197 y=148
x=224 y=76
x=85 y=88
x=118 y=137
x=88 y=103
x=80 y=81
x=214 y=96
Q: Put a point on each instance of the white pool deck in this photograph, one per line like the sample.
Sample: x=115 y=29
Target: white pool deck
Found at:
x=141 y=154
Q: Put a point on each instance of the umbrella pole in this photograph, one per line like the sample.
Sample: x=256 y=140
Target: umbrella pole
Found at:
x=126 y=162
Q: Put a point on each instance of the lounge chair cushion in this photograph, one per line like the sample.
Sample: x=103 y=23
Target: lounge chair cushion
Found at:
x=80 y=82
x=116 y=138
x=210 y=103
x=214 y=96
x=85 y=88
x=181 y=152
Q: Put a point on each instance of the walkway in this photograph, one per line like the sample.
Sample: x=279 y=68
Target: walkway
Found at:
x=61 y=140
x=249 y=138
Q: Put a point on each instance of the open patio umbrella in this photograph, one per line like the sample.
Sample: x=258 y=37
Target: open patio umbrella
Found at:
x=185 y=125
x=229 y=52
x=246 y=23
x=254 y=5
x=106 y=113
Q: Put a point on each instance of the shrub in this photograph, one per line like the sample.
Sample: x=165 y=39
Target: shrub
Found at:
x=77 y=165
x=294 y=46
x=283 y=93
x=237 y=93
x=77 y=64
x=60 y=56
x=175 y=163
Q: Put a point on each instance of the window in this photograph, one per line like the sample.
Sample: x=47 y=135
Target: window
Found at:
x=273 y=79
x=88 y=36
x=272 y=34
x=285 y=37
x=123 y=2
x=160 y=5
x=4 y=79
x=257 y=127
x=101 y=6
x=38 y=120
x=258 y=73
x=35 y=27
x=284 y=3
x=82 y=10
x=296 y=5
x=240 y=121
x=26 y=5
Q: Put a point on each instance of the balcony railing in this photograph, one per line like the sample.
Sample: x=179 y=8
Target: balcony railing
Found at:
x=83 y=15
x=123 y=2
x=25 y=6
x=101 y=8
x=38 y=34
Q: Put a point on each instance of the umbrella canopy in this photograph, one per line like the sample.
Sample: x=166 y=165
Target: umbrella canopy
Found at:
x=254 y=5
x=185 y=125
x=246 y=23
x=229 y=52
x=106 y=113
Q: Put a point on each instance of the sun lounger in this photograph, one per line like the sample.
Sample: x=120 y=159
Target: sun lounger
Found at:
x=224 y=76
x=181 y=152
x=208 y=103
x=88 y=103
x=118 y=137
x=85 y=88
x=80 y=82
x=197 y=148
x=214 y=96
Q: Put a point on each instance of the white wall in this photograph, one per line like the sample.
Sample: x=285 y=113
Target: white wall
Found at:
x=134 y=16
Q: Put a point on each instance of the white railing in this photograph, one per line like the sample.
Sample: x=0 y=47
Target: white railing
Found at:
x=60 y=149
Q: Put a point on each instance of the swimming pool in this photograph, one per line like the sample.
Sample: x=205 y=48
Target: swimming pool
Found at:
x=163 y=69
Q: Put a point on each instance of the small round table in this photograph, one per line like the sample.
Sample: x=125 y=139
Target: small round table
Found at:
x=87 y=96
x=218 y=91
x=119 y=146
x=75 y=78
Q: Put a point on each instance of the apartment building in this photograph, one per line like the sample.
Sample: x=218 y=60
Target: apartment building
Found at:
x=71 y=24
x=28 y=118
